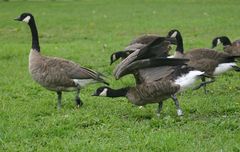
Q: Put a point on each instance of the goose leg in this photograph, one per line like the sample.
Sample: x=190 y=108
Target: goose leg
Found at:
x=204 y=83
x=204 y=86
x=179 y=110
x=159 y=109
x=236 y=68
x=59 y=94
x=78 y=100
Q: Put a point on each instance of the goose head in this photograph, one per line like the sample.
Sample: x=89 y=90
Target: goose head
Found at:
x=176 y=34
x=25 y=17
x=222 y=39
x=102 y=91
x=115 y=56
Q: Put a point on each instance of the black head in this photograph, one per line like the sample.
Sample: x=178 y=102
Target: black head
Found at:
x=25 y=17
x=102 y=91
x=174 y=33
x=222 y=39
x=115 y=56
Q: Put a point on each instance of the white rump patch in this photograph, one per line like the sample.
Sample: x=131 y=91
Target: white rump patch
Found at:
x=83 y=82
x=26 y=19
x=104 y=92
x=223 y=68
x=174 y=34
x=187 y=80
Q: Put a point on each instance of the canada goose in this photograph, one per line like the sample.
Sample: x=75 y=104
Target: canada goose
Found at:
x=231 y=48
x=207 y=60
x=136 y=44
x=157 y=48
x=56 y=74
x=171 y=80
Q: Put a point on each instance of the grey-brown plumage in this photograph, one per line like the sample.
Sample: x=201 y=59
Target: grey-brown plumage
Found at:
x=144 y=39
x=134 y=45
x=157 y=48
x=210 y=61
x=152 y=92
x=54 y=73
x=232 y=48
x=157 y=79
x=156 y=85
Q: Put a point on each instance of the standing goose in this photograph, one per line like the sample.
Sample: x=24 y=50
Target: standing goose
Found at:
x=56 y=74
x=231 y=48
x=136 y=44
x=167 y=81
x=210 y=61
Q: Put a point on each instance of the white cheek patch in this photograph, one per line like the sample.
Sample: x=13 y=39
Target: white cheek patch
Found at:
x=26 y=19
x=114 y=57
x=218 y=41
x=103 y=93
x=174 y=34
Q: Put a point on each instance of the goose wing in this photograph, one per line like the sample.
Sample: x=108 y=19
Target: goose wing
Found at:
x=158 y=48
x=219 y=57
x=201 y=53
x=145 y=39
x=72 y=70
x=234 y=49
x=146 y=63
x=153 y=74
x=158 y=90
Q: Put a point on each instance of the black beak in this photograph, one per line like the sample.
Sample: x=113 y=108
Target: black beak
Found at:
x=172 y=40
x=17 y=19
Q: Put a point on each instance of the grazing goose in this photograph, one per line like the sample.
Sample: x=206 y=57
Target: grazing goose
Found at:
x=136 y=44
x=207 y=60
x=231 y=48
x=167 y=82
x=56 y=74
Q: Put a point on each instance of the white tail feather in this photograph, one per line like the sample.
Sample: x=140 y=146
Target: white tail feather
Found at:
x=223 y=68
x=187 y=80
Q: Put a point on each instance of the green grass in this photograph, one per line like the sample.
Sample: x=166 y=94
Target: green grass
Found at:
x=87 y=32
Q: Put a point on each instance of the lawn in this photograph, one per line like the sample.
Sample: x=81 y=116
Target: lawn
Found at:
x=87 y=32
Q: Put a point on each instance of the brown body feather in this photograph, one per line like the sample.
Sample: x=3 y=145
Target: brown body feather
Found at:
x=153 y=92
x=233 y=49
x=57 y=74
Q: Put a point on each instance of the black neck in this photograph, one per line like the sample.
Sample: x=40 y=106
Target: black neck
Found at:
x=179 y=43
x=118 y=93
x=35 y=42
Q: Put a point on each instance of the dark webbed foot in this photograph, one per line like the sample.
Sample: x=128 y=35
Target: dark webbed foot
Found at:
x=204 y=85
x=79 y=102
